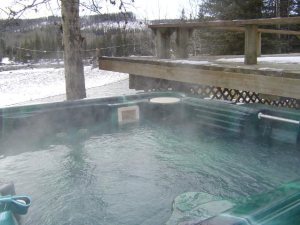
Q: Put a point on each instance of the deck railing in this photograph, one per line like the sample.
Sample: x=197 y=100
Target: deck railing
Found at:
x=251 y=29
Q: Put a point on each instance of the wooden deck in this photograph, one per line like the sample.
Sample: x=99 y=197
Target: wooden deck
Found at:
x=247 y=79
x=270 y=76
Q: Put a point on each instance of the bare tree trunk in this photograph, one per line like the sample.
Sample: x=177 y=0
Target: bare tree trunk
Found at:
x=72 y=41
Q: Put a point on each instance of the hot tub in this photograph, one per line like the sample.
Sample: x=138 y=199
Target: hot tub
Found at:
x=125 y=160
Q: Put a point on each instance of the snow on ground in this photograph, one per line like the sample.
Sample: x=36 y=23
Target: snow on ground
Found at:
x=285 y=59
x=28 y=84
x=6 y=60
x=190 y=62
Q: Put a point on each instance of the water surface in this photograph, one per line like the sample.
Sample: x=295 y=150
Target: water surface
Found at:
x=130 y=176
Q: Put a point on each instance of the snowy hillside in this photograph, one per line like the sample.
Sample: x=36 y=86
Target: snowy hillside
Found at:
x=127 y=21
x=135 y=25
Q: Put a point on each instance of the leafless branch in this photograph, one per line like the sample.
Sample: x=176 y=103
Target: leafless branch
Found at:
x=95 y=6
x=22 y=7
x=16 y=10
x=92 y=6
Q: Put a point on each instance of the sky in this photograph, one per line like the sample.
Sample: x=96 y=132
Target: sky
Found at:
x=144 y=9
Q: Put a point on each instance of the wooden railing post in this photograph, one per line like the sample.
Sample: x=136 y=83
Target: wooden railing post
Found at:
x=182 y=39
x=251 y=43
x=162 y=37
x=258 y=44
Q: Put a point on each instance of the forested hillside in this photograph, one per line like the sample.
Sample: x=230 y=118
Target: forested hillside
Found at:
x=34 y=39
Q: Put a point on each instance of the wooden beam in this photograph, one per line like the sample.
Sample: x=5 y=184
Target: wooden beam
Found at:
x=258 y=43
x=229 y=23
x=233 y=29
x=251 y=45
x=163 y=38
x=268 y=31
x=182 y=38
x=285 y=32
x=279 y=86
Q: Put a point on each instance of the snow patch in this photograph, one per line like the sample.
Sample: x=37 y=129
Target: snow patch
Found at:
x=192 y=62
x=6 y=61
x=285 y=59
x=272 y=69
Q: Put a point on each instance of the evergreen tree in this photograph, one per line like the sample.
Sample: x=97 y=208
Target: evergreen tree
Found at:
x=226 y=42
x=183 y=16
x=278 y=8
x=229 y=43
x=231 y=9
x=296 y=7
x=37 y=46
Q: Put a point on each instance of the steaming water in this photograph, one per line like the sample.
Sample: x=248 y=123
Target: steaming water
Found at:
x=131 y=175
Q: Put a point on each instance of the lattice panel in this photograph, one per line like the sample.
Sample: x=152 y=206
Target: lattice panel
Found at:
x=238 y=96
x=205 y=91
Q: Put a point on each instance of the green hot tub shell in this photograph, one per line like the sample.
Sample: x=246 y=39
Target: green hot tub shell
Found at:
x=37 y=121
x=31 y=123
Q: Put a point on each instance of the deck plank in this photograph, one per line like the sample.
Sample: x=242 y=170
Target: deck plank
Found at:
x=280 y=79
